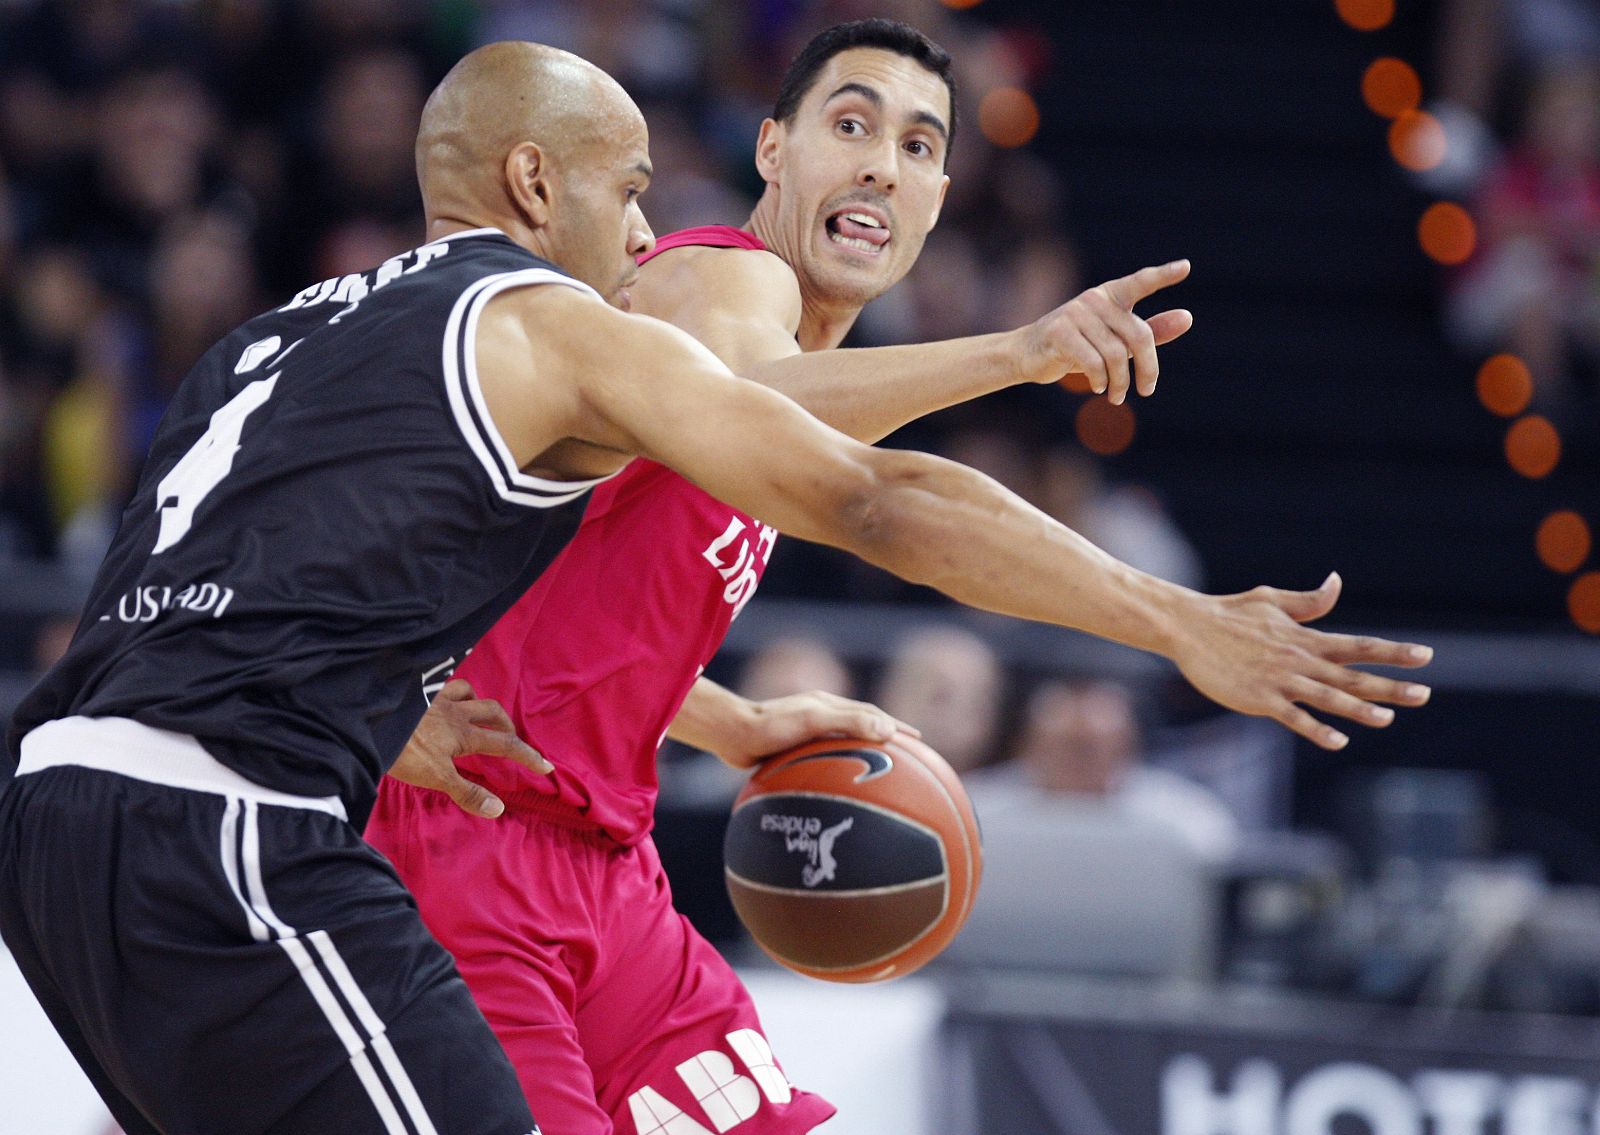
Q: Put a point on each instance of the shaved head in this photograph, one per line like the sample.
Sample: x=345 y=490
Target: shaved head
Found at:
x=536 y=141
x=500 y=96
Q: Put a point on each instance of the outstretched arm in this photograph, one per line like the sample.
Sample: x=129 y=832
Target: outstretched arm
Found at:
x=629 y=384
x=745 y=306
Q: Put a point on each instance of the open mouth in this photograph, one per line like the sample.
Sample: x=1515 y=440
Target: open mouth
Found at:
x=858 y=229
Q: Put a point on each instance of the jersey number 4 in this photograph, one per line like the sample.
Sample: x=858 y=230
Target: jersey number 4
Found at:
x=210 y=459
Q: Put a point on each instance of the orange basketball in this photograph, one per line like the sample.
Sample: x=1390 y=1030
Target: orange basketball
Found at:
x=853 y=860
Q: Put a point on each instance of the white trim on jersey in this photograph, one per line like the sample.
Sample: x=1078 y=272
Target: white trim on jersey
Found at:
x=241 y=858
x=486 y=231
x=472 y=411
x=157 y=756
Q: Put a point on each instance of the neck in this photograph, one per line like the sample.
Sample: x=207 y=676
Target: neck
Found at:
x=452 y=221
x=824 y=322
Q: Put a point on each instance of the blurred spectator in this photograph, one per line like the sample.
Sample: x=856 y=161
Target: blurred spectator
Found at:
x=1126 y=521
x=1534 y=287
x=688 y=187
x=949 y=684
x=201 y=286
x=794 y=665
x=50 y=642
x=151 y=162
x=356 y=201
x=1070 y=485
x=1082 y=741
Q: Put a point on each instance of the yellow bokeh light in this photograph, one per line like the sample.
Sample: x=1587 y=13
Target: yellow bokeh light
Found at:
x=1504 y=385
x=1533 y=447
x=1447 y=233
x=1008 y=117
x=1103 y=428
x=1365 y=15
x=1583 y=601
x=1563 y=541
x=1417 y=141
x=1390 y=87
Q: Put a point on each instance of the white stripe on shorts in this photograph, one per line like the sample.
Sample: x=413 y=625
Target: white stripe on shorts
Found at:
x=243 y=863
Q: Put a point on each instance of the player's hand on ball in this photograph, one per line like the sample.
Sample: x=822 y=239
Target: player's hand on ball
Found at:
x=779 y=724
x=1250 y=653
x=1096 y=334
x=458 y=724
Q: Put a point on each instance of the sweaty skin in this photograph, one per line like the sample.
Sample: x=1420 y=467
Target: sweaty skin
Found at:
x=577 y=387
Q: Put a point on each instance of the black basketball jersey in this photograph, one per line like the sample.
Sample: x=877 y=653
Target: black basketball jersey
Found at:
x=327 y=518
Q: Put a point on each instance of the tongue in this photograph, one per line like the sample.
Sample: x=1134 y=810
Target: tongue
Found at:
x=844 y=226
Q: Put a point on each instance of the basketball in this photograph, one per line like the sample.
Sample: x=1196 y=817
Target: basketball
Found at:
x=853 y=861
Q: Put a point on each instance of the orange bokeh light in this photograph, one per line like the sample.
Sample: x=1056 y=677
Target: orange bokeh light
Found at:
x=1078 y=383
x=1008 y=117
x=1390 y=87
x=1504 y=385
x=1365 y=15
x=1447 y=233
x=1417 y=140
x=1583 y=601
x=1103 y=428
x=1533 y=447
x=1563 y=541
x=961 y=3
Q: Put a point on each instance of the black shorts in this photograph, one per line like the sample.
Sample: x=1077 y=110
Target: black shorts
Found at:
x=219 y=964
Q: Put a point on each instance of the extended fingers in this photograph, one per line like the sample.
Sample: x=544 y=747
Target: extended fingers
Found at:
x=488 y=714
x=1368 y=648
x=1130 y=289
x=831 y=713
x=1318 y=733
x=503 y=743
x=1332 y=699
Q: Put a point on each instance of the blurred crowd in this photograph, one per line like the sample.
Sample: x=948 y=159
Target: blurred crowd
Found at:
x=1519 y=87
x=168 y=168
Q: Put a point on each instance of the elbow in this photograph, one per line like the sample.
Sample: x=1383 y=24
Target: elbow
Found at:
x=879 y=517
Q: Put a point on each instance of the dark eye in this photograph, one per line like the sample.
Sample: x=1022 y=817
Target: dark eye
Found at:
x=921 y=149
x=849 y=125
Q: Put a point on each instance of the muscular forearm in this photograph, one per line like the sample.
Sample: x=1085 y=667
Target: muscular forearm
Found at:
x=870 y=392
x=946 y=526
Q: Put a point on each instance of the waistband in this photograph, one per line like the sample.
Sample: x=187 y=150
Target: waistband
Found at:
x=129 y=748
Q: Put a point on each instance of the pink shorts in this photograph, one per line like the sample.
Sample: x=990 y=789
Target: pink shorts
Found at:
x=617 y=1015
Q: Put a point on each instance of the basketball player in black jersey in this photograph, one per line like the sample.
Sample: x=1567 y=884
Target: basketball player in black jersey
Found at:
x=348 y=489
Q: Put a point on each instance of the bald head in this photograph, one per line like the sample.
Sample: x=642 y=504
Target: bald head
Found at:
x=499 y=97
x=544 y=146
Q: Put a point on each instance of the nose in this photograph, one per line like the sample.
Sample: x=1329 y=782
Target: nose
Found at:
x=879 y=169
x=640 y=238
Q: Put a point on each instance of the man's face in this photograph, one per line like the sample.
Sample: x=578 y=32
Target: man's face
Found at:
x=860 y=172
x=598 y=228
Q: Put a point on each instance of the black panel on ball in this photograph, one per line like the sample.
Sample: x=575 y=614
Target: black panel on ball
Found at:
x=813 y=843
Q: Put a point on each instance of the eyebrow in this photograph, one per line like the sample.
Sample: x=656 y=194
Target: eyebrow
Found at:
x=645 y=168
x=926 y=118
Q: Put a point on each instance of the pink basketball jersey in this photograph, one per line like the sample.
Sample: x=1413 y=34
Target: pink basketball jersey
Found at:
x=595 y=660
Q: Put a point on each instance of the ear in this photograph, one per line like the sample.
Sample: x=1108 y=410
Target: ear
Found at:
x=938 y=205
x=528 y=182
x=769 y=150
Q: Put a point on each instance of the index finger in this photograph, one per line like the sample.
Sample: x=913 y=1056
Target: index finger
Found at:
x=494 y=743
x=1346 y=649
x=1129 y=290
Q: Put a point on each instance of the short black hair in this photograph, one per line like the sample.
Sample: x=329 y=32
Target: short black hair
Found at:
x=886 y=35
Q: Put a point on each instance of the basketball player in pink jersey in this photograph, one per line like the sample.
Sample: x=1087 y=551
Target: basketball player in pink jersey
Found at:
x=617 y=1016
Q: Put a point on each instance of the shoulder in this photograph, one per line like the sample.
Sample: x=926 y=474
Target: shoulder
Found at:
x=720 y=262
x=695 y=284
